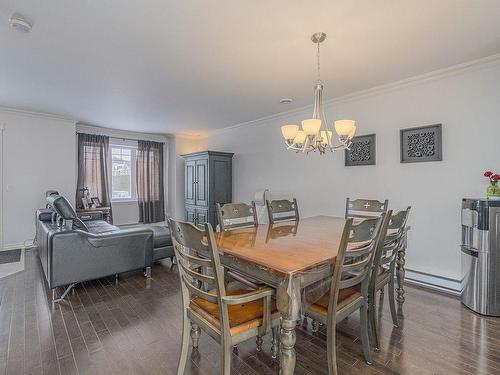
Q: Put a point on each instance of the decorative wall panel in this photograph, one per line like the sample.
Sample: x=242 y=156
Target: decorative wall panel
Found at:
x=421 y=144
x=362 y=151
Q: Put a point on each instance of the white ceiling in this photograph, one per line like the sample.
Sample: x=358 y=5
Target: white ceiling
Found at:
x=191 y=66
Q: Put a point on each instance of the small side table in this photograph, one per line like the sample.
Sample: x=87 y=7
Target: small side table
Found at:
x=106 y=212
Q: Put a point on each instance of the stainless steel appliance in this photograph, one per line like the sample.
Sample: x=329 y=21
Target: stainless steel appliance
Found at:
x=481 y=255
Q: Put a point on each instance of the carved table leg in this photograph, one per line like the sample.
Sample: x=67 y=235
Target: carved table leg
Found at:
x=288 y=301
x=288 y=338
x=400 y=272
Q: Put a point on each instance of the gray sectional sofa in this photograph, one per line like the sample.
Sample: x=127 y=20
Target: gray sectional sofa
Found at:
x=73 y=250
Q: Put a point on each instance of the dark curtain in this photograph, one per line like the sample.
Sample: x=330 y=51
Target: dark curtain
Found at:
x=93 y=167
x=149 y=180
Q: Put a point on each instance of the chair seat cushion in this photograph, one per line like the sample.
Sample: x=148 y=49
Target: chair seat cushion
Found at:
x=242 y=317
x=345 y=297
x=161 y=236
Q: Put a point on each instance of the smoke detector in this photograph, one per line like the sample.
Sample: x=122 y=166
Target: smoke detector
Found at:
x=286 y=101
x=20 y=23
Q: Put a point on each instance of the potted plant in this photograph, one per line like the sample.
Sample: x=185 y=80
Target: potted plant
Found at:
x=493 y=188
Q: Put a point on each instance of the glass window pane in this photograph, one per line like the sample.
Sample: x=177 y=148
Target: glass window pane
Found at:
x=121 y=181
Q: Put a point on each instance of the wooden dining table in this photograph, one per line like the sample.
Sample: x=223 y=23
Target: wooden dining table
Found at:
x=288 y=257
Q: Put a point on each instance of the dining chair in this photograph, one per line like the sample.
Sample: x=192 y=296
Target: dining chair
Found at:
x=229 y=316
x=282 y=210
x=383 y=271
x=348 y=290
x=281 y=230
x=236 y=215
x=364 y=208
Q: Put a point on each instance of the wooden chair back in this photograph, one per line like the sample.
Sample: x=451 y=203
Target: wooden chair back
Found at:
x=282 y=210
x=199 y=265
x=236 y=215
x=388 y=248
x=364 y=208
x=397 y=224
x=355 y=258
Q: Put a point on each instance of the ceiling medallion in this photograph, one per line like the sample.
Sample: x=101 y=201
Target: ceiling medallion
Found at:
x=316 y=134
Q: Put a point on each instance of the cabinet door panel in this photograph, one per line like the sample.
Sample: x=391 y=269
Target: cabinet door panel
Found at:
x=190 y=185
x=201 y=217
x=191 y=214
x=201 y=183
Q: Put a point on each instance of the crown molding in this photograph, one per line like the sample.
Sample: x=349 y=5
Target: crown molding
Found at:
x=36 y=114
x=191 y=137
x=469 y=66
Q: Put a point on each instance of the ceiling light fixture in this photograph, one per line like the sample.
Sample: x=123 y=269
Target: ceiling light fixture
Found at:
x=19 y=22
x=315 y=134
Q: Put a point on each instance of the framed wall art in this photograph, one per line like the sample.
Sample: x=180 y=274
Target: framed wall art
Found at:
x=421 y=144
x=362 y=151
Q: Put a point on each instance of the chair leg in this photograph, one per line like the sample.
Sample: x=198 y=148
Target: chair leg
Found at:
x=373 y=321
x=315 y=326
x=195 y=334
x=331 y=350
x=184 y=348
x=275 y=343
x=363 y=319
x=226 y=353
x=259 y=341
x=392 y=303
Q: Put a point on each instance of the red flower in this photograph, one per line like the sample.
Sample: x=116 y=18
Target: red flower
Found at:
x=495 y=177
x=488 y=174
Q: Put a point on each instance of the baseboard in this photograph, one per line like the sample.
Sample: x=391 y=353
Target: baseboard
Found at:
x=427 y=280
x=15 y=246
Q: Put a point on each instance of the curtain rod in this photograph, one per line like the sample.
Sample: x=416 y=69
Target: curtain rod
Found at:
x=122 y=138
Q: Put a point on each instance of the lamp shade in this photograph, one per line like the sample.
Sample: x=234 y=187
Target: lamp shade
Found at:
x=300 y=137
x=326 y=137
x=289 y=131
x=353 y=132
x=344 y=127
x=311 y=126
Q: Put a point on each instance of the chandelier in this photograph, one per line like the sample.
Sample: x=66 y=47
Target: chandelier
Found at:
x=316 y=134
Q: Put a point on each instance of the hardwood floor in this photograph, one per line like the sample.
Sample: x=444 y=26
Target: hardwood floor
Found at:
x=133 y=328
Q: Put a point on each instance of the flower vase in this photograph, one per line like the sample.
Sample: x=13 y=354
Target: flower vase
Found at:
x=493 y=190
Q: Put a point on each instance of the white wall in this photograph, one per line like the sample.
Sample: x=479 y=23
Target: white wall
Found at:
x=183 y=145
x=39 y=154
x=468 y=106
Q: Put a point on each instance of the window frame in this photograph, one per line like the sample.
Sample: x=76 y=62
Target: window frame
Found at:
x=133 y=158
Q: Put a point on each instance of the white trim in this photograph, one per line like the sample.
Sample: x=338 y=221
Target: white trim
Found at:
x=33 y=113
x=443 y=284
x=15 y=246
x=470 y=66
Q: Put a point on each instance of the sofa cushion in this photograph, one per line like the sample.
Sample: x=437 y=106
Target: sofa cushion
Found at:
x=161 y=236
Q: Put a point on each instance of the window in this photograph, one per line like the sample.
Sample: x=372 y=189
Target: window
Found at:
x=123 y=173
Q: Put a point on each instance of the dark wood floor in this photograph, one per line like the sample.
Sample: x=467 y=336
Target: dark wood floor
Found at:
x=129 y=328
